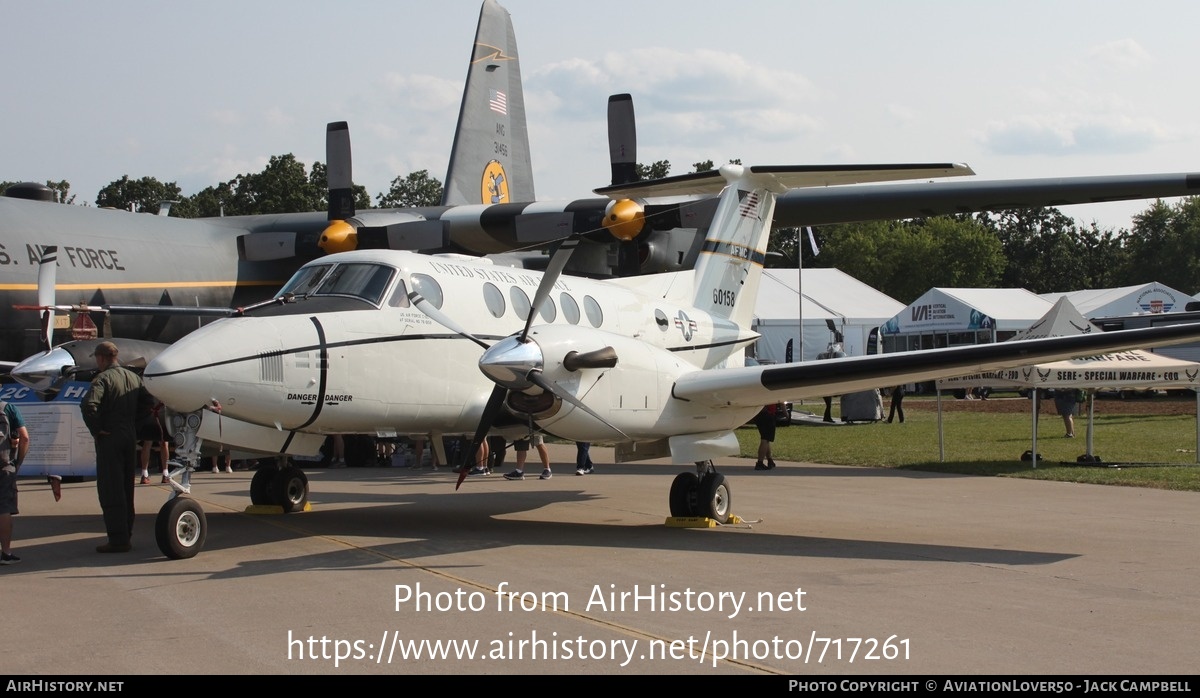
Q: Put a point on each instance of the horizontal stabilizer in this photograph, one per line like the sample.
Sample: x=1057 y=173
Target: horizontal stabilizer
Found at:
x=785 y=177
x=168 y=310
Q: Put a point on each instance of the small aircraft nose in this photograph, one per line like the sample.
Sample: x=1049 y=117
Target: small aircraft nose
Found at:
x=42 y=371
x=181 y=376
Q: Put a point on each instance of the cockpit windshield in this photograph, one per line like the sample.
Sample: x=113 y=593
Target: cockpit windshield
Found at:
x=362 y=280
x=304 y=281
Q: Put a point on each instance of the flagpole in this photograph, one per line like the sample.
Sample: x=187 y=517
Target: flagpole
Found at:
x=800 y=296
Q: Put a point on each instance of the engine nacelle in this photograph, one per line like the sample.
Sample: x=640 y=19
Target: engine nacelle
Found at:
x=633 y=396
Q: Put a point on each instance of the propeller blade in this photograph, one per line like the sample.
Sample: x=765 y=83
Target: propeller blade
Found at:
x=47 y=275
x=540 y=381
x=622 y=139
x=553 y=270
x=438 y=316
x=628 y=220
x=338 y=171
x=490 y=410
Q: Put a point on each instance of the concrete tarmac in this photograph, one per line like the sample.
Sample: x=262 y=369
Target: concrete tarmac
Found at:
x=842 y=570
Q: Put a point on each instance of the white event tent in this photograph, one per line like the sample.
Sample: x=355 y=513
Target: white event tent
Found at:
x=1146 y=298
x=791 y=299
x=946 y=317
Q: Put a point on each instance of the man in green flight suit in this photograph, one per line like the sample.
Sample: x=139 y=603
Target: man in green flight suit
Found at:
x=110 y=410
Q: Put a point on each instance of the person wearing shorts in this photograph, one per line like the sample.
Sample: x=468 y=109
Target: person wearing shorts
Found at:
x=13 y=450
x=764 y=421
x=522 y=449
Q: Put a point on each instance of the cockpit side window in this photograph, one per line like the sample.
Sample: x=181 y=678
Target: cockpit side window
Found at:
x=365 y=281
x=305 y=280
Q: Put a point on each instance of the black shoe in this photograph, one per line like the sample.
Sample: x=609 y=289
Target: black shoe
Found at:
x=8 y=559
x=114 y=548
x=770 y=464
x=760 y=466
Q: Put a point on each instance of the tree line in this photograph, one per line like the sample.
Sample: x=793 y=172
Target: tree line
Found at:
x=285 y=185
x=1040 y=249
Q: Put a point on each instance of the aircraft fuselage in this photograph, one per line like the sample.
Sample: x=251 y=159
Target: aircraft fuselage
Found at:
x=118 y=257
x=344 y=363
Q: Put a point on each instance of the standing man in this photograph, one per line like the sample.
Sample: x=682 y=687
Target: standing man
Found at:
x=110 y=410
x=12 y=453
x=897 y=404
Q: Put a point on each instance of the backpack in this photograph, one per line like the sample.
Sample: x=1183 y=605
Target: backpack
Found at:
x=5 y=434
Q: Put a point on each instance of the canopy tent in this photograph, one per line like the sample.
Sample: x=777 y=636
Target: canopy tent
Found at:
x=1123 y=370
x=792 y=301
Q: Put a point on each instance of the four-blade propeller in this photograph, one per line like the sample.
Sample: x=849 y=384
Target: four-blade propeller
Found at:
x=516 y=362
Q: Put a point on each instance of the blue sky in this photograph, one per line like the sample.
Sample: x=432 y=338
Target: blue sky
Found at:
x=197 y=93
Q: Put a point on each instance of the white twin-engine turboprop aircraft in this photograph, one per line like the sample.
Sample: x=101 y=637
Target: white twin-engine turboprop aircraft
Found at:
x=386 y=342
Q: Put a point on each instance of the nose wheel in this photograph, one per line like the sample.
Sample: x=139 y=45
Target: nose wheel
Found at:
x=180 y=528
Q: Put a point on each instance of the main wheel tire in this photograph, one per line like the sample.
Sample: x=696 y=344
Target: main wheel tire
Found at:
x=180 y=528
x=714 y=498
x=260 y=485
x=683 y=495
x=289 y=489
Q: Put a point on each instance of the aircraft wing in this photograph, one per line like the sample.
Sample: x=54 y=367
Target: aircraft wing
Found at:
x=788 y=177
x=760 y=385
x=912 y=200
x=503 y=227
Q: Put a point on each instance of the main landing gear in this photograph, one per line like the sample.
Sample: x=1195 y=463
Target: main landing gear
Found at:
x=702 y=493
x=281 y=484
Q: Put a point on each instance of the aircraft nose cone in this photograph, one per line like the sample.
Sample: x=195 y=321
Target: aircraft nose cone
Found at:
x=179 y=376
x=508 y=362
x=42 y=372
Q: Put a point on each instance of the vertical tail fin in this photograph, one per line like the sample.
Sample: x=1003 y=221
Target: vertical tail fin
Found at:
x=489 y=162
x=729 y=268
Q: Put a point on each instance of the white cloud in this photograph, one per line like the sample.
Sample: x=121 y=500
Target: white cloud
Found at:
x=225 y=117
x=277 y=118
x=425 y=93
x=1072 y=135
x=1122 y=53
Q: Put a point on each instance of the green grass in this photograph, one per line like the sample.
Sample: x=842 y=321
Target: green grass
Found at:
x=992 y=444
